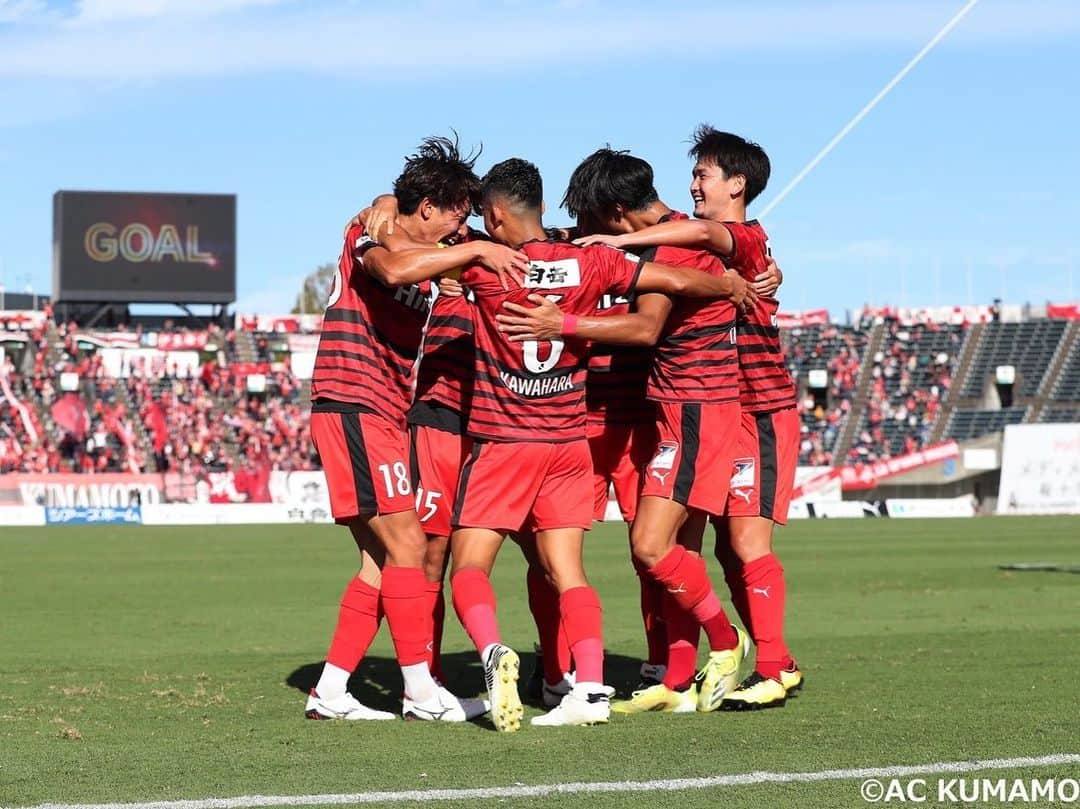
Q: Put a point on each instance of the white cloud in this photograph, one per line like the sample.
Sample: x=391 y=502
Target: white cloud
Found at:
x=154 y=39
x=16 y=10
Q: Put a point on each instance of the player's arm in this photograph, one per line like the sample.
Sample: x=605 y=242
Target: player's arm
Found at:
x=416 y=264
x=383 y=211
x=690 y=283
x=546 y=321
x=697 y=234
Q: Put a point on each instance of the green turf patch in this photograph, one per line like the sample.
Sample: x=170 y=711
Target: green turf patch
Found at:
x=166 y=663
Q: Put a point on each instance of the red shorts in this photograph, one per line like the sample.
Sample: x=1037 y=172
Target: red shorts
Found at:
x=365 y=459
x=438 y=457
x=763 y=472
x=694 y=452
x=521 y=485
x=619 y=454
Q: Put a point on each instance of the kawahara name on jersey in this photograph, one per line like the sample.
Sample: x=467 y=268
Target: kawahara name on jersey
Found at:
x=535 y=387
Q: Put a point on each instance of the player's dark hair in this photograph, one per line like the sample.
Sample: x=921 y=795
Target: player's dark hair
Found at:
x=439 y=171
x=734 y=155
x=515 y=180
x=607 y=178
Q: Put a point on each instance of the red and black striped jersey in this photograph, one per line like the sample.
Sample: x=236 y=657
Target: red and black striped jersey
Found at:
x=617 y=376
x=695 y=359
x=445 y=373
x=764 y=381
x=370 y=336
x=535 y=390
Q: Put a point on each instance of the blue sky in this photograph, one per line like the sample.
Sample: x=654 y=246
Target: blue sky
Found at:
x=960 y=187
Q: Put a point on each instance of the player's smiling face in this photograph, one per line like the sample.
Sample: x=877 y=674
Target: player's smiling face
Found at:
x=712 y=190
x=441 y=223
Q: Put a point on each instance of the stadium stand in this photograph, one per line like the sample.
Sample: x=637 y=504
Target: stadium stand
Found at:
x=1028 y=346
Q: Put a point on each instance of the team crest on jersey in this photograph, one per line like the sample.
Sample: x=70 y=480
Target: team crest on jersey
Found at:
x=743 y=473
x=664 y=460
x=553 y=274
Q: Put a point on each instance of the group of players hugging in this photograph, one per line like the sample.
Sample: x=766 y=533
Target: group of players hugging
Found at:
x=472 y=386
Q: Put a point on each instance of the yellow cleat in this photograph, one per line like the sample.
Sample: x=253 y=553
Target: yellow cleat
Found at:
x=754 y=693
x=720 y=674
x=791 y=679
x=658 y=698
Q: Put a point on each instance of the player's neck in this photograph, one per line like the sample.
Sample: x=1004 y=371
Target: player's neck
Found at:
x=519 y=233
x=648 y=217
x=734 y=211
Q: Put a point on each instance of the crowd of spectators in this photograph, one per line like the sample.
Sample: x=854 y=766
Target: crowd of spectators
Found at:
x=910 y=378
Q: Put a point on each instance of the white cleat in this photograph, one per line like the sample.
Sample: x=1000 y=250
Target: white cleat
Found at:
x=344 y=707
x=553 y=694
x=442 y=706
x=501 y=668
x=579 y=707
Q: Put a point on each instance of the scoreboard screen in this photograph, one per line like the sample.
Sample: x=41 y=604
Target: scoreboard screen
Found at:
x=144 y=248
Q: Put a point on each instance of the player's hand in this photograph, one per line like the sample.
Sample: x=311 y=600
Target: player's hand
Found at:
x=509 y=265
x=451 y=287
x=600 y=238
x=542 y=322
x=359 y=219
x=742 y=293
x=769 y=281
x=382 y=214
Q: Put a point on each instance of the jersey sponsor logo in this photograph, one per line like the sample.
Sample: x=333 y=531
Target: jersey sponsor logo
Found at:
x=536 y=387
x=565 y=272
x=412 y=297
x=664 y=461
x=609 y=301
x=743 y=474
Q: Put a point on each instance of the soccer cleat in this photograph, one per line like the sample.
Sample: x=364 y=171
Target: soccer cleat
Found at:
x=720 y=674
x=791 y=678
x=442 y=706
x=553 y=694
x=501 y=675
x=344 y=707
x=658 y=698
x=754 y=693
x=578 y=708
x=651 y=674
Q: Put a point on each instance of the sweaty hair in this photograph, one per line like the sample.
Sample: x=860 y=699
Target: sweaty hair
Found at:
x=440 y=172
x=607 y=178
x=734 y=155
x=515 y=180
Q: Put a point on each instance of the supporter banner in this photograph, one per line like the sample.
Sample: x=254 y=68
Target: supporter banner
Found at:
x=179 y=341
x=81 y=515
x=21 y=320
x=789 y=320
x=1063 y=311
x=867 y=476
x=1040 y=469
x=282 y=323
x=115 y=339
x=822 y=483
x=955 y=315
x=303 y=342
x=120 y=362
x=114 y=489
x=302 y=364
x=305 y=494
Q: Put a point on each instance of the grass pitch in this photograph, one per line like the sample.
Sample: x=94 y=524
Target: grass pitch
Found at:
x=141 y=663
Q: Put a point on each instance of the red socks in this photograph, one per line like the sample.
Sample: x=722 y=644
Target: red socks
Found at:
x=683 y=631
x=357 y=626
x=583 y=621
x=435 y=603
x=765 y=594
x=683 y=576
x=544 y=606
x=405 y=603
x=474 y=601
x=653 y=614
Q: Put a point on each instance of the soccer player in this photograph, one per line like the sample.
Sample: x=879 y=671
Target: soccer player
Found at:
x=361 y=389
x=530 y=464
x=729 y=173
x=694 y=381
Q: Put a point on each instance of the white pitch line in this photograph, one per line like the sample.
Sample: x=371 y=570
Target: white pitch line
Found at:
x=584 y=787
